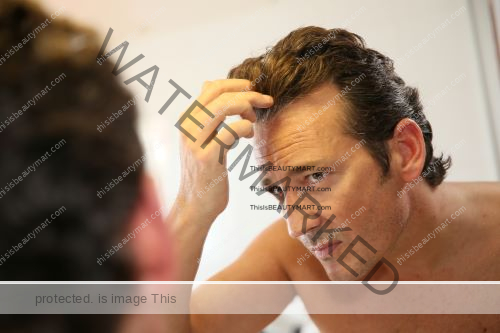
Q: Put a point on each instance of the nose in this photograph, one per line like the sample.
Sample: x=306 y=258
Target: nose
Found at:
x=303 y=219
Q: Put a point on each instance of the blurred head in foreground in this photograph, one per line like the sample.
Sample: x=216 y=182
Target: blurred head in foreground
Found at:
x=71 y=195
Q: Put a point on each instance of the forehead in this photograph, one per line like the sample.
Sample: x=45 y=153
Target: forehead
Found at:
x=304 y=129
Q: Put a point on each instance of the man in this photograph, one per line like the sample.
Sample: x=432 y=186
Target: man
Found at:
x=65 y=213
x=329 y=102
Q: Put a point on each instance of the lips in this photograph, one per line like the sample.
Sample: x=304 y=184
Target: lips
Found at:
x=323 y=251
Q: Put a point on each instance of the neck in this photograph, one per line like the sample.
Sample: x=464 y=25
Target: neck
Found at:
x=429 y=207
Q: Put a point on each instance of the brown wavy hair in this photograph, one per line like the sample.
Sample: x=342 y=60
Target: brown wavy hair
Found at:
x=312 y=56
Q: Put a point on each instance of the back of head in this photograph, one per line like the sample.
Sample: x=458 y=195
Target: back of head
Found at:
x=53 y=93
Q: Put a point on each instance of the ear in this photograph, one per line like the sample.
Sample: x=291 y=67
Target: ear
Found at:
x=407 y=150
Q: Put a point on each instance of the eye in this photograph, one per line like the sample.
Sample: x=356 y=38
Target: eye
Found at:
x=275 y=191
x=316 y=177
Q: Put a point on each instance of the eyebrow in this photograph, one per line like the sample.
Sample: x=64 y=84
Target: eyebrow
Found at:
x=313 y=163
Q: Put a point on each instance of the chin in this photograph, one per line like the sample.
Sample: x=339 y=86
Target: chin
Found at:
x=337 y=272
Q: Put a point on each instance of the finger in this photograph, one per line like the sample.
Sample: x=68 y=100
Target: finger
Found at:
x=243 y=129
x=222 y=105
x=212 y=89
x=233 y=104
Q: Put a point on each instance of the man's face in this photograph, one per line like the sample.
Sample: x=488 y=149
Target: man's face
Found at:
x=354 y=189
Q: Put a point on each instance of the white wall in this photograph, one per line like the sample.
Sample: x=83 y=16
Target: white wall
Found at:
x=194 y=42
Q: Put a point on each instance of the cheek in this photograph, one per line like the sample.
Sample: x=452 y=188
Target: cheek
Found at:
x=151 y=247
x=151 y=251
x=380 y=224
x=369 y=207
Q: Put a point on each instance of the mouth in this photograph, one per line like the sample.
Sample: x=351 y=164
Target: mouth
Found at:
x=324 y=251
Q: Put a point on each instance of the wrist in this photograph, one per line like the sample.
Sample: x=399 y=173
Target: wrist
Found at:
x=183 y=215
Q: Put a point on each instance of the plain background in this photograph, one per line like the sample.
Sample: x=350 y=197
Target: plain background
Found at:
x=196 y=41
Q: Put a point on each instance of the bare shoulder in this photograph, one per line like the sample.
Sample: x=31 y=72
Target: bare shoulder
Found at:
x=480 y=213
x=483 y=199
x=488 y=189
x=265 y=259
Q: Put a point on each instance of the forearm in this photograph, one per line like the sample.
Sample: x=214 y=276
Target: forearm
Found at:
x=202 y=161
x=190 y=232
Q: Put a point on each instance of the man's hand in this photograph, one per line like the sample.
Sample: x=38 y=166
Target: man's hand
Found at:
x=194 y=211
x=201 y=159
